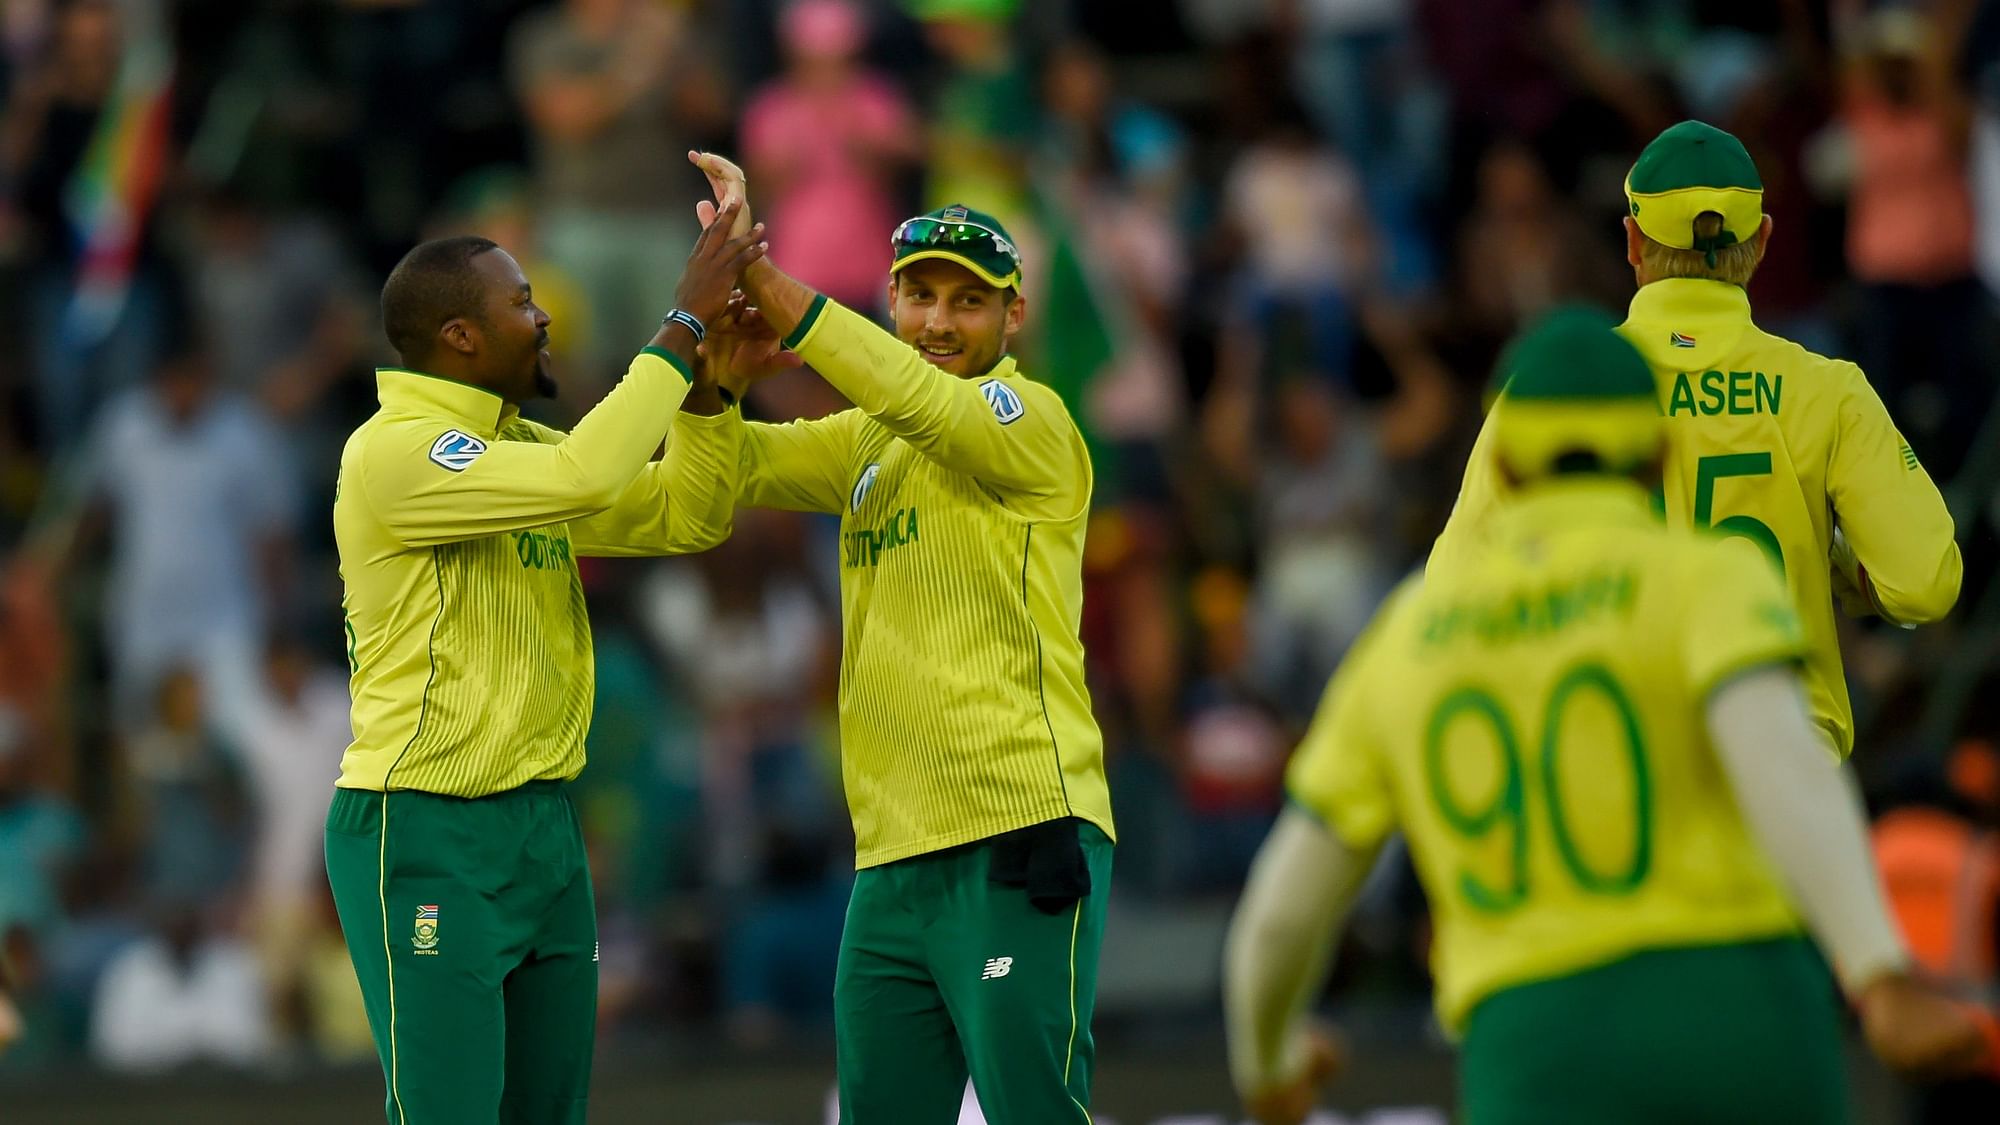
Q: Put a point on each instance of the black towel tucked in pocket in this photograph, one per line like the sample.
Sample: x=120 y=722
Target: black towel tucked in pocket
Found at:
x=1045 y=858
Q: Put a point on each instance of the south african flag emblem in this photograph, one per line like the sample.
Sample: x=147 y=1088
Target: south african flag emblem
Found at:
x=426 y=936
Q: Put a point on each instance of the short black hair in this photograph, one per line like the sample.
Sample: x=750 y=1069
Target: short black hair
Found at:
x=433 y=283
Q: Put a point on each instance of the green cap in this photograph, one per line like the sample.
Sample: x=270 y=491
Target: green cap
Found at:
x=1689 y=169
x=1575 y=353
x=1573 y=384
x=973 y=239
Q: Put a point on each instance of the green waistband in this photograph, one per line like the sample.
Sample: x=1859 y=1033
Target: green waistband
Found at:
x=529 y=789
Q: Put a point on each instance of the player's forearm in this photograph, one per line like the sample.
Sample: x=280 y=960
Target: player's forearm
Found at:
x=1919 y=591
x=653 y=518
x=1798 y=804
x=1280 y=944
x=783 y=300
x=676 y=338
x=613 y=442
x=945 y=418
x=876 y=371
x=1892 y=516
x=704 y=478
x=705 y=396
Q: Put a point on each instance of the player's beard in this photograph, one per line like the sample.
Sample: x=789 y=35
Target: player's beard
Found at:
x=543 y=380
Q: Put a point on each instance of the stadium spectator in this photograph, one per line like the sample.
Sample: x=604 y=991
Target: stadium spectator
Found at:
x=202 y=509
x=291 y=730
x=74 y=138
x=1323 y=524
x=615 y=91
x=186 y=994
x=1926 y=323
x=828 y=142
x=1297 y=206
x=40 y=836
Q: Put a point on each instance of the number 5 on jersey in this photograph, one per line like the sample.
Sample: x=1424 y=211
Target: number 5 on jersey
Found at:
x=1709 y=470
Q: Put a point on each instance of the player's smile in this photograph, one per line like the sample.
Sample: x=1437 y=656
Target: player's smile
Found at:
x=940 y=354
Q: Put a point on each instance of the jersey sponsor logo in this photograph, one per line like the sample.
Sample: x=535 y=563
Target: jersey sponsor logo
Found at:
x=996 y=968
x=1676 y=340
x=862 y=485
x=864 y=547
x=1006 y=404
x=425 y=939
x=456 y=449
x=538 y=550
x=1738 y=392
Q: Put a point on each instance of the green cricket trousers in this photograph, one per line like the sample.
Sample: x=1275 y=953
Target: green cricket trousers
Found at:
x=946 y=972
x=1738 y=1034
x=471 y=926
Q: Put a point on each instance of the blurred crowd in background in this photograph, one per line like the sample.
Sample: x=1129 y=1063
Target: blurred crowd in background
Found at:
x=1274 y=248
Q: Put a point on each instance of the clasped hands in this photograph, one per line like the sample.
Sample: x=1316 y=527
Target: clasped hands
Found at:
x=741 y=348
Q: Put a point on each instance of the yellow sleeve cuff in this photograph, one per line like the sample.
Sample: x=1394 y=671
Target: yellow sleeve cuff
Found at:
x=1754 y=661
x=730 y=415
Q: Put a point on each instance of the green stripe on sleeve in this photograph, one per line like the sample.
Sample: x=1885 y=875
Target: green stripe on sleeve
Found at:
x=674 y=361
x=806 y=322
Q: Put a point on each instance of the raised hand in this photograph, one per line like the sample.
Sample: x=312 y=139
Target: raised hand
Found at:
x=717 y=260
x=728 y=182
x=742 y=348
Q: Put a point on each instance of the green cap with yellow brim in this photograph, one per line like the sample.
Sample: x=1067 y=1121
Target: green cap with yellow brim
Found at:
x=1689 y=169
x=973 y=239
x=1573 y=385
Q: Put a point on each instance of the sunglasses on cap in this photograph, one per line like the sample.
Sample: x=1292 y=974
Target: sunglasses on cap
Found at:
x=981 y=244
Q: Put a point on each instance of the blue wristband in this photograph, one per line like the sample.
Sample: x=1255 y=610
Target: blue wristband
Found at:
x=686 y=320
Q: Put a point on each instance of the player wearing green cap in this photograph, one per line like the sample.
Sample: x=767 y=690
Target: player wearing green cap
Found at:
x=973 y=767
x=1598 y=749
x=1765 y=440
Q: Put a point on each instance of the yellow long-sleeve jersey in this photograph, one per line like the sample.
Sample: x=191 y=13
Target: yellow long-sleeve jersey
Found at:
x=1534 y=726
x=459 y=524
x=1771 y=442
x=963 y=711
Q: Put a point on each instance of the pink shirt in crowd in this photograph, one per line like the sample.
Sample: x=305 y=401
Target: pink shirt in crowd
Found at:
x=831 y=225
x=1910 y=218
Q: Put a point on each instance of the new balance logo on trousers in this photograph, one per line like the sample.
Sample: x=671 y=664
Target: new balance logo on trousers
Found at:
x=998 y=967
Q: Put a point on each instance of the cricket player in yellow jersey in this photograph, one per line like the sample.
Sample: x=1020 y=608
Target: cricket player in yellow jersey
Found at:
x=454 y=853
x=1594 y=738
x=1790 y=450
x=974 y=769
